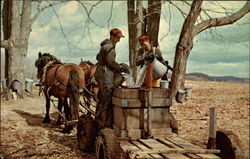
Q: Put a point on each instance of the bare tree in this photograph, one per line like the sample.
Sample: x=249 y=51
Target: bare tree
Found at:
x=189 y=30
x=135 y=20
x=17 y=25
x=144 y=21
x=153 y=21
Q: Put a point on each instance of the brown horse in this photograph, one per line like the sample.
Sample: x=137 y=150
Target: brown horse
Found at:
x=91 y=84
x=62 y=81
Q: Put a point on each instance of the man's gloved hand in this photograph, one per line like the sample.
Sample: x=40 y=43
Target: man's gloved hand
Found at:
x=124 y=68
x=149 y=56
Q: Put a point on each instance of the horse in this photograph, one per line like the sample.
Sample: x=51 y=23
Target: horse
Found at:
x=63 y=81
x=91 y=85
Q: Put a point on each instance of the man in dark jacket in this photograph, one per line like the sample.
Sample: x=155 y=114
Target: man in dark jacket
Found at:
x=106 y=74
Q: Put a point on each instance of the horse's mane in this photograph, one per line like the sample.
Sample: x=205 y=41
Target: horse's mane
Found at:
x=88 y=62
x=56 y=60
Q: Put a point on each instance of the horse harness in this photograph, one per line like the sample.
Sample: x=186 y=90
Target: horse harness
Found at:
x=91 y=80
x=55 y=82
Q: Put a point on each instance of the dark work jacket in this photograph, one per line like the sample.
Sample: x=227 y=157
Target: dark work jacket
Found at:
x=106 y=56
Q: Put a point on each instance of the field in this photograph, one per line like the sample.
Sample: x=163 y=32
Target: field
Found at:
x=23 y=135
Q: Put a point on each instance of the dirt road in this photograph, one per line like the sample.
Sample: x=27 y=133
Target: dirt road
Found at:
x=23 y=135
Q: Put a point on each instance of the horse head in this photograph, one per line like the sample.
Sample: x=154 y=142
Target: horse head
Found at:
x=43 y=60
x=85 y=64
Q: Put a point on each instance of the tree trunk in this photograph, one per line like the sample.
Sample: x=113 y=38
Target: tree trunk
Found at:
x=183 y=48
x=20 y=28
x=6 y=17
x=135 y=19
x=154 y=16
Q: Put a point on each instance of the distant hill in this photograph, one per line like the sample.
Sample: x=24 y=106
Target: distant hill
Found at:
x=205 y=77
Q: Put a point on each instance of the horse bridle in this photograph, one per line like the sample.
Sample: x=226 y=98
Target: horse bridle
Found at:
x=45 y=70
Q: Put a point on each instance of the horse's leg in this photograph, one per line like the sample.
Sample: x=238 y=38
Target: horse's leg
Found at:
x=47 y=117
x=66 y=109
x=60 y=104
x=74 y=95
x=68 y=116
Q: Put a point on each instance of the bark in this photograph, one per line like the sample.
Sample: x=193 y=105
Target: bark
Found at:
x=184 y=47
x=154 y=16
x=135 y=20
x=6 y=18
x=131 y=31
x=189 y=31
x=216 y=22
x=16 y=29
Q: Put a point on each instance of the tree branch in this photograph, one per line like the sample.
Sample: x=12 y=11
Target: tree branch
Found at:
x=61 y=27
x=40 y=10
x=111 y=13
x=89 y=12
x=215 y=22
x=182 y=13
x=6 y=44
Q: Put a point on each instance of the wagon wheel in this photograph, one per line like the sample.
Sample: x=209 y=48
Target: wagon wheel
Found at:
x=107 y=146
x=86 y=133
x=229 y=145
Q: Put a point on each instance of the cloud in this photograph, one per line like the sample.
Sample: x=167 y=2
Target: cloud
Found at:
x=220 y=54
x=43 y=49
x=218 y=8
x=39 y=32
x=69 y=9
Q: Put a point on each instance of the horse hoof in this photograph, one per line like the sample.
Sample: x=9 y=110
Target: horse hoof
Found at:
x=46 y=120
x=67 y=130
x=58 y=122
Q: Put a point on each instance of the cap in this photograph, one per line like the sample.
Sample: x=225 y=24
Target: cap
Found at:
x=116 y=32
x=143 y=39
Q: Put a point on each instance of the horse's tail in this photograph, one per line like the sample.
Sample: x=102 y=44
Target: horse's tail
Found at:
x=74 y=94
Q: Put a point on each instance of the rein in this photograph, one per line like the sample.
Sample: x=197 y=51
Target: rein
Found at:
x=45 y=71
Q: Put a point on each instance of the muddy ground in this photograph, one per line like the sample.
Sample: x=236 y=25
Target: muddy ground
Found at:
x=23 y=135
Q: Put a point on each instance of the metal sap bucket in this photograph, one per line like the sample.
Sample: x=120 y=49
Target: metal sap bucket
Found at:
x=3 y=83
x=188 y=90
x=164 y=84
x=15 y=85
x=28 y=85
x=181 y=94
x=159 y=69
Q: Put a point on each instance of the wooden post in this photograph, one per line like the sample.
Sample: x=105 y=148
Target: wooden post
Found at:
x=149 y=101
x=212 y=129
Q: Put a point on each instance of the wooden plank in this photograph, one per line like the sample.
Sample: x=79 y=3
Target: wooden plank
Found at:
x=120 y=118
x=175 y=151
x=208 y=156
x=128 y=93
x=127 y=146
x=157 y=145
x=125 y=93
x=193 y=156
x=170 y=144
x=137 y=103
x=185 y=144
x=182 y=143
x=141 y=146
x=176 y=156
x=132 y=118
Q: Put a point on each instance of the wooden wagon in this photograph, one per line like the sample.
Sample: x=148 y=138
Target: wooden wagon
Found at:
x=130 y=138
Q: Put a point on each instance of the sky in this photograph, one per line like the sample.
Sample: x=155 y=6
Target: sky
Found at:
x=223 y=51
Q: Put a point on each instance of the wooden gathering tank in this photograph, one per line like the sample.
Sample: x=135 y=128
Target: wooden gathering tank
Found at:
x=130 y=112
x=130 y=127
